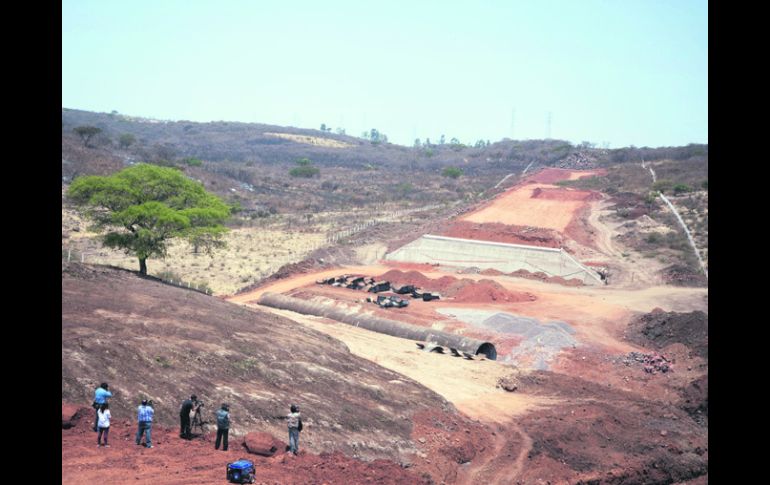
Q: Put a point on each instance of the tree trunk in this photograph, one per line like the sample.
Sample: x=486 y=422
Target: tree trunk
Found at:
x=143 y=266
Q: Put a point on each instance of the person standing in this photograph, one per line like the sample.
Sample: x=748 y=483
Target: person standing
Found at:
x=223 y=426
x=184 y=417
x=104 y=424
x=295 y=426
x=100 y=397
x=145 y=414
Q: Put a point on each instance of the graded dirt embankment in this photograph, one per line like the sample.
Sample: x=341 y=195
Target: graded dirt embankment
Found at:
x=150 y=340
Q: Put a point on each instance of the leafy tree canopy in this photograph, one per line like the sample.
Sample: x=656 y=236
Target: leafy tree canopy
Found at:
x=87 y=132
x=452 y=172
x=142 y=207
x=126 y=140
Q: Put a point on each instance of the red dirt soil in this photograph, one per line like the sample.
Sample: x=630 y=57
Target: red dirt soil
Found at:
x=176 y=461
x=553 y=175
x=504 y=233
x=523 y=273
x=580 y=230
x=464 y=290
x=487 y=291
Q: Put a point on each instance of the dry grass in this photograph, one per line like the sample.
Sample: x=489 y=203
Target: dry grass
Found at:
x=251 y=254
x=311 y=140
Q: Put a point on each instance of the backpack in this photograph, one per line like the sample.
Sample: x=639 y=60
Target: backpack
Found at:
x=299 y=426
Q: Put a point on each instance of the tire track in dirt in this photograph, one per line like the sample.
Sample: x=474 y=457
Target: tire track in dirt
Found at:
x=495 y=467
x=518 y=465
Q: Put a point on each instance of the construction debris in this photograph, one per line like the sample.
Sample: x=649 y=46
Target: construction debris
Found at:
x=389 y=301
x=378 y=287
x=372 y=286
x=653 y=363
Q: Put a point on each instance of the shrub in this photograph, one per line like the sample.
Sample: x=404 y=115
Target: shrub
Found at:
x=662 y=185
x=452 y=172
x=193 y=162
x=681 y=189
x=304 y=171
x=126 y=140
x=653 y=238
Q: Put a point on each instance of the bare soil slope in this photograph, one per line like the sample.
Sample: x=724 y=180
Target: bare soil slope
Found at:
x=156 y=341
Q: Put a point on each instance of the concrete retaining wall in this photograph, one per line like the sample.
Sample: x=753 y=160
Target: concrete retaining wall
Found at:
x=466 y=253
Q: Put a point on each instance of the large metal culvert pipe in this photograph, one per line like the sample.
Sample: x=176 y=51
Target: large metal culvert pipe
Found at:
x=381 y=325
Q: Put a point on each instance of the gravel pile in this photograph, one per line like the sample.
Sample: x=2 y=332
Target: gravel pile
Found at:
x=541 y=342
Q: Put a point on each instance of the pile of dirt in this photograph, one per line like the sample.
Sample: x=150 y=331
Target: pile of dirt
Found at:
x=491 y=272
x=152 y=340
x=504 y=233
x=658 y=329
x=462 y=290
x=683 y=275
x=523 y=273
x=695 y=399
x=176 y=461
x=401 y=278
x=488 y=291
x=610 y=437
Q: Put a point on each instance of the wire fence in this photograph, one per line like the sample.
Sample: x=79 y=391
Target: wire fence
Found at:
x=94 y=257
x=389 y=217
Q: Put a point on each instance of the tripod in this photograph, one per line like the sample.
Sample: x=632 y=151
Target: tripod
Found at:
x=197 y=420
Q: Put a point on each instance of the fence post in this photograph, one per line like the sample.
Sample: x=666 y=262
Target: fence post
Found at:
x=82 y=257
x=69 y=253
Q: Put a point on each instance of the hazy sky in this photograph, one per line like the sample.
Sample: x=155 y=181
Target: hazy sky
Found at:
x=631 y=72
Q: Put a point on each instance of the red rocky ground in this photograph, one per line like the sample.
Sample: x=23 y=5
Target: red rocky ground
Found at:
x=176 y=461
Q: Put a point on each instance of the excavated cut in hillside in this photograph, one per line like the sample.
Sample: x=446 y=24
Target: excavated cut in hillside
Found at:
x=155 y=341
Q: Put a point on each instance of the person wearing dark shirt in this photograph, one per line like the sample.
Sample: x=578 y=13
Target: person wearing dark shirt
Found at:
x=184 y=417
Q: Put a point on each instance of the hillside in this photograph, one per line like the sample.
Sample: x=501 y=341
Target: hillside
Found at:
x=359 y=182
x=150 y=340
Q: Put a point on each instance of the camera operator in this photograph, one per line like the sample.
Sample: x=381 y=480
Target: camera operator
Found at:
x=184 y=416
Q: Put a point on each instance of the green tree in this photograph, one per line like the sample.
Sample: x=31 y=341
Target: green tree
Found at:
x=305 y=169
x=452 y=172
x=87 y=132
x=126 y=140
x=141 y=208
x=681 y=188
